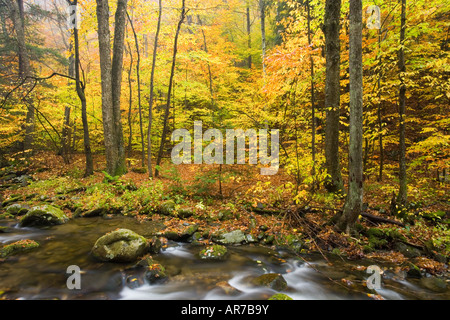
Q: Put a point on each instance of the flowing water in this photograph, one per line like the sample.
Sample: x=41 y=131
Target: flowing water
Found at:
x=41 y=273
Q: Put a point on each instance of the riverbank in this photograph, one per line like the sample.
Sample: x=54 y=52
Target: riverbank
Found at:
x=244 y=208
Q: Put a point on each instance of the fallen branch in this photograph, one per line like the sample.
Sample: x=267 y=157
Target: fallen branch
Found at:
x=368 y=216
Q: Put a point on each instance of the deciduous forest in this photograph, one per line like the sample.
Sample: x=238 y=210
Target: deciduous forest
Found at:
x=352 y=96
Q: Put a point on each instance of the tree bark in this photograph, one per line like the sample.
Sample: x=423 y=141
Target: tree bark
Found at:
x=313 y=97
x=138 y=75
x=169 y=93
x=262 y=8
x=354 y=202
x=152 y=77
x=111 y=76
x=249 y=37
x=18 y=17
x=333 y=94
x=80 y=87
x=402 y=194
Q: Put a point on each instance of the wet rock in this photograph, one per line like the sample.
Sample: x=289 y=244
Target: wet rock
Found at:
x=274 y=281
x=229 y=238
x=121 y=245
x=46 y=215
x=280 y=296
x=18 y=209
x=155 y=274
x=434 y=284
x=407 y=250
x=413 y=271
x=94 y=213
x=227 y=289
x=18 y=247
x=6 y=229
x=155 y=245
x=11 y=200
x=215 y=252
x=184 y=235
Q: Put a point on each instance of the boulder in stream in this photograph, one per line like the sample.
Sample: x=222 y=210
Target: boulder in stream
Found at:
x=45 y=215
x=274 y=281
x=121 y=245
x=229 y=238
x=17 y=247
x=215 y=252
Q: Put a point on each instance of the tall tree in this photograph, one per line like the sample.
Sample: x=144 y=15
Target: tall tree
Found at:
x=402 y=194
x=152 y=90
x=354 y=202
x=169 y=93
x=16 y=8
x=138 y=74
x=332 y=93
x=111 y=81
x=81 y=87
x=313 y=94
x=249 y=36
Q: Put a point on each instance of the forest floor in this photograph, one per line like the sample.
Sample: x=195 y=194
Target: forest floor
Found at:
x=262 y=206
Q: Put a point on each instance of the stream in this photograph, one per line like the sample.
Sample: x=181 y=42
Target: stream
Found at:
x=41 y=273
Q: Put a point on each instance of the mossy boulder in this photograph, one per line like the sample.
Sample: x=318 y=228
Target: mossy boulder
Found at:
x=274 y=281
x=18 y=209
x=167 y=208
x=183 y=235
x=214 y=252
x=45 y=215
x=230 y=238
x=121 y=245
x=280 y=296
x=18 y=247
x=155 y=274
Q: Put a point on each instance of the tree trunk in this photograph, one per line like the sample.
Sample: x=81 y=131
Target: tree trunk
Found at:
x=313 y=97
x=262 y=8
x=380 y=119
x=18 y=17
x=65 y=136
x=249 y=37
x=80 y=87
x=402 y=194
x=169 y=93
x=130 y=105
x=152 y=77
x=138 y=71
x=111 y=76
x=354 y=203
x=333 y=94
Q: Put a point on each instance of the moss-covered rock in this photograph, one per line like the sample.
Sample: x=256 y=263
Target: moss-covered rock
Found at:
x=154 y=245
x=167 y=208
x=121 y=245
x=229 y=238
x=274 y=281
x=280 y=296
x=184 y=213
x=214 y=252
x=45 y=215
x=155 y=274
x=18 y=247
x=18 y=209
